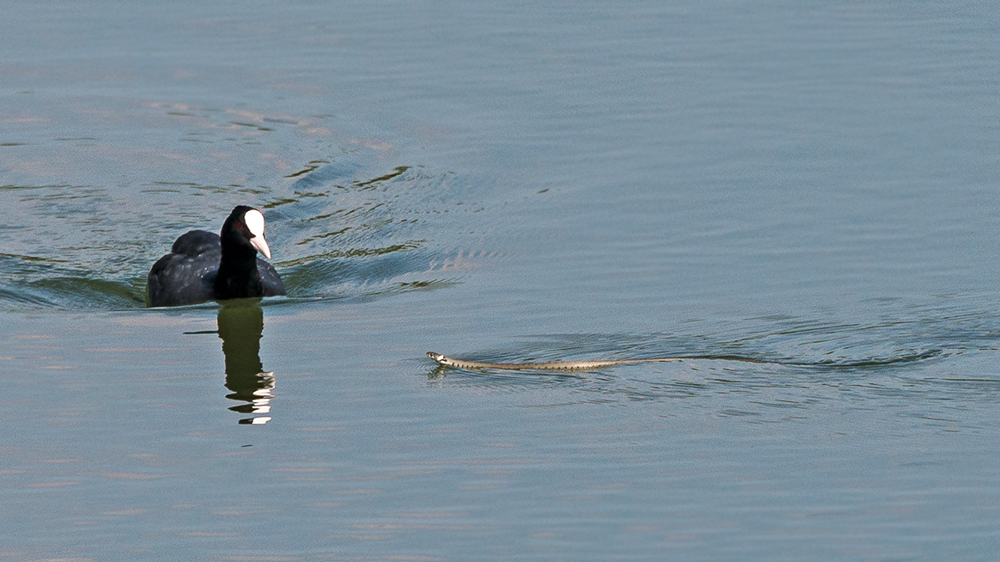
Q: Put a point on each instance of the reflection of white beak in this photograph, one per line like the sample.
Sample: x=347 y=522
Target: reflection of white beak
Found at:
x=261 y=245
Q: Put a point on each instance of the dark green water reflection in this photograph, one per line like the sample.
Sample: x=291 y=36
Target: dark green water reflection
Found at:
x=241 y=326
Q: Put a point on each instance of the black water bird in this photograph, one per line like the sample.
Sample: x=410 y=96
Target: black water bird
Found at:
x=204 y=266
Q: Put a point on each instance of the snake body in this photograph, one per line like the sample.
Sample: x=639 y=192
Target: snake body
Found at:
x=547 y=366
x=585 y=365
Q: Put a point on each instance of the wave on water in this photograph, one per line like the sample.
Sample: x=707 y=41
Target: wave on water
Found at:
x=893 y=358
x=338 y=230
x=37 y=283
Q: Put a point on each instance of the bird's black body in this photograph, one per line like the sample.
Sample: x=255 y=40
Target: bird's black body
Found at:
x=204 y=266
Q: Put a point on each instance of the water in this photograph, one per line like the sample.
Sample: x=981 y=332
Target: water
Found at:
x=808 y=185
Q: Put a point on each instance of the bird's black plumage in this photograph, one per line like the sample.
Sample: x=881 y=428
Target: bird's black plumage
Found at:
x=204 y=266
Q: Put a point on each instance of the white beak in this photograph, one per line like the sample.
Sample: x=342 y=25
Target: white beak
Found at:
x=261 y=245
x=254 y=220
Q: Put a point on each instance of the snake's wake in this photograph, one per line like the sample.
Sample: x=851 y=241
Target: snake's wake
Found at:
x=547 y=366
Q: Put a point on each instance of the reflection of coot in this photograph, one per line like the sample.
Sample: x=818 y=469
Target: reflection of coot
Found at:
x=202 y=266
x=241 y=324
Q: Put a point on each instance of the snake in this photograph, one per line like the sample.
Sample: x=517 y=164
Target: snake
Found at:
x=567 y=365
x=547 y=366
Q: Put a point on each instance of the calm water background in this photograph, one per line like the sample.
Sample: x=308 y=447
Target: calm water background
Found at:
x=808 y=183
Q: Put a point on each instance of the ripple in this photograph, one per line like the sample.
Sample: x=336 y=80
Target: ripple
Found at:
x=356 y=229
x=746 y=372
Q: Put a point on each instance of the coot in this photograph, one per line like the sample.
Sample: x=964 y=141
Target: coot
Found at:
x=204 y=266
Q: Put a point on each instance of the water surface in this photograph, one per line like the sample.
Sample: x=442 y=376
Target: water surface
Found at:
x=808 y=185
